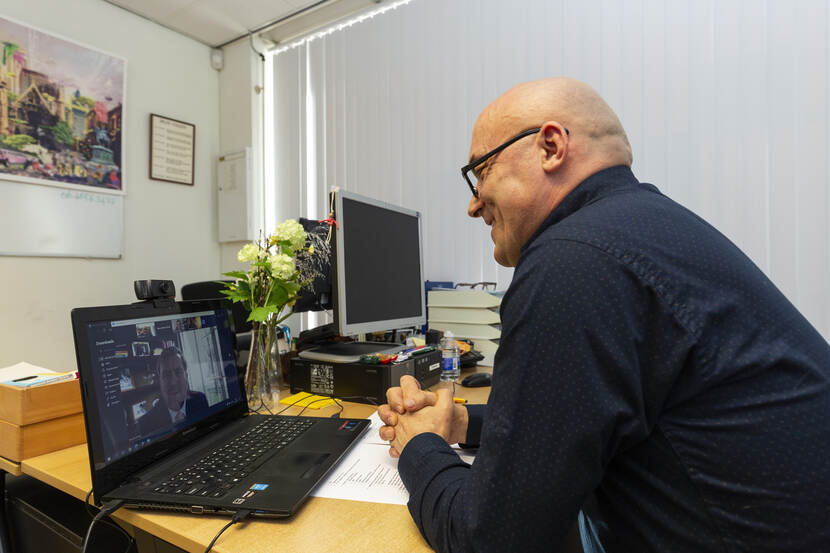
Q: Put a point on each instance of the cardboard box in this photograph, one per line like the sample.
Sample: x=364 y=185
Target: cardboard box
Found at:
x=40 y=419
x=22 y=406
x=30 y=440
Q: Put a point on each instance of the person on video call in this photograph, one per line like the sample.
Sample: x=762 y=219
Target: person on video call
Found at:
x=645 y=364
x=177 y=403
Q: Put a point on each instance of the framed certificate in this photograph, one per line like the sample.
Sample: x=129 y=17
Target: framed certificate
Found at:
x=172 y=148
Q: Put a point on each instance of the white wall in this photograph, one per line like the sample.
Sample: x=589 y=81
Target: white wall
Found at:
x=240 y=124
x=170 y=230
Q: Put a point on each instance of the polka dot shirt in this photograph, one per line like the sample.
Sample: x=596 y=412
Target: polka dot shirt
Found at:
x=648 y=364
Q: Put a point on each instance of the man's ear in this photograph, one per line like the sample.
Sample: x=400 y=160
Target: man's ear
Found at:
x=553 y=139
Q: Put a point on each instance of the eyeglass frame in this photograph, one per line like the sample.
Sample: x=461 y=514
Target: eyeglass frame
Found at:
x=481 y=159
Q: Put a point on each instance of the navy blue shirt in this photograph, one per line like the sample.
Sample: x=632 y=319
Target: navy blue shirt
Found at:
x=645 y=359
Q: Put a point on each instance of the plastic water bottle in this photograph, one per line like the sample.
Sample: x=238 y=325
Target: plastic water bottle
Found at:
x=450 y=364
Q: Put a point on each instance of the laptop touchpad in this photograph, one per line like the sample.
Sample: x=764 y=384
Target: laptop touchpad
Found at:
x=301 y=463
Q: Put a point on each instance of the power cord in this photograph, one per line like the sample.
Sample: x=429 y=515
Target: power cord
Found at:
x=313 y=401
x=337 y=400
x=337 y=414
x=367 y=398
x=290 y=405
x=91 y=512
x=262 y=405
x=238 y=516
x=108 y=508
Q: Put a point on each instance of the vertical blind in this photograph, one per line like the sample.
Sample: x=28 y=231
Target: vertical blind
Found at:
x=725 y=103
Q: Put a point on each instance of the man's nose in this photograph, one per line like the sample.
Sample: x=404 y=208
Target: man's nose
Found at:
x=474 y=207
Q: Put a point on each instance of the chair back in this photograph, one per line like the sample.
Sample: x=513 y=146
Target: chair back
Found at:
x=210 y=290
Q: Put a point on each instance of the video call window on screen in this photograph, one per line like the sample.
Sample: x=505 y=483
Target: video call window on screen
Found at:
x=160 y=373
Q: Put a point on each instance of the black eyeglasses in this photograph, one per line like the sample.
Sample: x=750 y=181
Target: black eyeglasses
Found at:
x=465 y=171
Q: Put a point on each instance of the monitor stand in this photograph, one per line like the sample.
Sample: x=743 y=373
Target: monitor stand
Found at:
x=348 y=352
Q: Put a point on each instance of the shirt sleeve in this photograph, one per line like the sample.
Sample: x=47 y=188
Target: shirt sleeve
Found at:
x=580 y=332
x=475 y=420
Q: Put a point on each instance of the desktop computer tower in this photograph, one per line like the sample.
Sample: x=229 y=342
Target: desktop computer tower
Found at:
x=358 y=381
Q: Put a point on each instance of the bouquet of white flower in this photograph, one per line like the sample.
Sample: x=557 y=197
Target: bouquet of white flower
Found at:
x=280 y=265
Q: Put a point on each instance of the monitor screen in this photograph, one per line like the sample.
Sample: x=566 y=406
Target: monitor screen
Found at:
x=153 y=376
x=379 y=266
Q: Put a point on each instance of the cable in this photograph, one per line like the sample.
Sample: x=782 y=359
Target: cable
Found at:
x=367 y=398
x=238 y=516
x=92 y=513
x=290 y=405
x=337 y=414
x=345 y=398
x=108 y=508
x=310 y=402
x=261 y=406
x=257 y=52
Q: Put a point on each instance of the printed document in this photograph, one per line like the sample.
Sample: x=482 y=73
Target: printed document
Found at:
x=367 y=472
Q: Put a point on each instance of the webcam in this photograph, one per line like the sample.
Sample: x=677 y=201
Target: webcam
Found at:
x=154 y=289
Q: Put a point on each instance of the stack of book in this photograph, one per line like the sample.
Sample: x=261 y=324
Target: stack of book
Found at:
x=470 y=314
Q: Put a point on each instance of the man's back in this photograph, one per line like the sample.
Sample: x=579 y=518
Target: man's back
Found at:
x=721 y=442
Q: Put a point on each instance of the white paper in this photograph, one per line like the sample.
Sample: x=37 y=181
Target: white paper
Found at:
x=367 y=472
x=21 y=370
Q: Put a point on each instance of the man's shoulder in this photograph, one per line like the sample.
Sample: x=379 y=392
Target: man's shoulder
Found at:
x=623 y=224
x=196 y=400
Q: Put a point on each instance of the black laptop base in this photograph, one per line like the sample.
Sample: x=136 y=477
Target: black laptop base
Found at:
x=274 y=487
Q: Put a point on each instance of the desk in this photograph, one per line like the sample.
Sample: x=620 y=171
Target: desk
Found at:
x=12 y=468
x=321 y=524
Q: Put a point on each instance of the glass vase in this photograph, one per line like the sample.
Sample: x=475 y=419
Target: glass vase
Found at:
x=263 y=378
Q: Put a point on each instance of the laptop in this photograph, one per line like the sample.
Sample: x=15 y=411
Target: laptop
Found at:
x=167 y=421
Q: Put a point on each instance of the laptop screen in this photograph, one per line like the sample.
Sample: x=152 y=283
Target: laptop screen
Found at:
x=155 y=376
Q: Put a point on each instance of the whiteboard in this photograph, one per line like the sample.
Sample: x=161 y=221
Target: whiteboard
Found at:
x=59 y=222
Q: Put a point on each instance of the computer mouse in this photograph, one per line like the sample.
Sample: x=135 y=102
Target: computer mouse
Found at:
x=476 y=380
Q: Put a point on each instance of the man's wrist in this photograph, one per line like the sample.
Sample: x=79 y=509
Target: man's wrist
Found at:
x=460 y=421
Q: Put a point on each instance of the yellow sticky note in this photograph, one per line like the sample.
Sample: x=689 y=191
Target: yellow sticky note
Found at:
x=418 y=341
x=304 y=399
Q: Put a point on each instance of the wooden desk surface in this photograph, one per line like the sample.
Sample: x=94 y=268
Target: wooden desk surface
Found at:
x=12 y=467
x=320 y=525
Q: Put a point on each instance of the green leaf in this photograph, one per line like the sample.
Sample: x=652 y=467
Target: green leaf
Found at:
x=292 y=287
x=277 y=297
x=236 y=274
x=259 y=314
x=244 y=287
x=237 y=297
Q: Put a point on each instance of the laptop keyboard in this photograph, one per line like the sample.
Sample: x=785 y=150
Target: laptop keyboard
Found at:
x=223 y=468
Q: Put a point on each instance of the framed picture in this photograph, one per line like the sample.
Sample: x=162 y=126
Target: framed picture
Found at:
x=61 y=106
x=172 y=148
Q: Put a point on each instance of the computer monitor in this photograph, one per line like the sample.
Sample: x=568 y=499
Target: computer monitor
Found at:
x=379 y=268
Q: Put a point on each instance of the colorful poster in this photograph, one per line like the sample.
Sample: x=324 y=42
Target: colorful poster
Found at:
x=61 y=107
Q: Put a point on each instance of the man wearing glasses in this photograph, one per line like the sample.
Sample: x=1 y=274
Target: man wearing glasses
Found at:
x=177 y=403
x=645 y=362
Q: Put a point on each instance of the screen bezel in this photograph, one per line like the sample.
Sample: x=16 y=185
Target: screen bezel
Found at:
x=340 y=302
x=114 y=474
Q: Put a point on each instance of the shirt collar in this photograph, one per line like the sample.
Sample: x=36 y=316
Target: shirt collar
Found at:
x=596 y=186
x=174 y=413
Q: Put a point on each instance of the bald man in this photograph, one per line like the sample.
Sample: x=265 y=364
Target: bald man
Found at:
x=645 y=362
